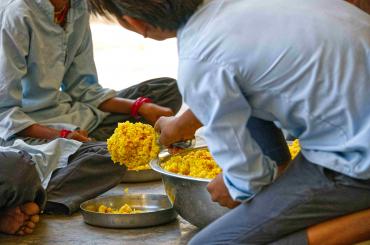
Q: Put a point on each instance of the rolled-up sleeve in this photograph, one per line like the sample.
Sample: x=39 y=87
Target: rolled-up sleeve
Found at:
x=13 y=67
x=81 y=81
x=213 y=94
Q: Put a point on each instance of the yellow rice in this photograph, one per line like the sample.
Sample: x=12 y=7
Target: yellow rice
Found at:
x=294 y=148
x=200 y=164
x=125 y=209
x=134 y=145
x=197 y=163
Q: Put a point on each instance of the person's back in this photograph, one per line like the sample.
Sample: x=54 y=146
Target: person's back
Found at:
x=305 y=65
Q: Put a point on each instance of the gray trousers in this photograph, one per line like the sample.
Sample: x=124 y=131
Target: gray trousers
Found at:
x=305 y=195
x=89 y=173
x=19 y=181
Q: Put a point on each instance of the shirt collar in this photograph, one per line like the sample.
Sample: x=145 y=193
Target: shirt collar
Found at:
x=48 y=8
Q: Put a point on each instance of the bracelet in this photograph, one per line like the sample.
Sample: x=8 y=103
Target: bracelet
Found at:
x=64 y=133
x=137 y=104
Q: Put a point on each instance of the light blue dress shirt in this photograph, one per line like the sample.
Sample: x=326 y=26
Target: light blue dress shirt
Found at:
x=47 y=76
x=303 y=64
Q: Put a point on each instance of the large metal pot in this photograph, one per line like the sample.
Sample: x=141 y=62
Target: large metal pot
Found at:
x=189 y=195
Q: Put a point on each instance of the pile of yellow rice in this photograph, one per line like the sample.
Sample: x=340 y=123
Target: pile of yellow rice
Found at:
x=200 y=164
x=196 y=163
x=134 y=145
x=125 y=209
x=294 y=148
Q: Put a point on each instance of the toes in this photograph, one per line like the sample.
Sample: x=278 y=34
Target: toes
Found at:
x=30 y=208
x=27 y=230
x=35 y=219
x=20 y=233
x=30 y=224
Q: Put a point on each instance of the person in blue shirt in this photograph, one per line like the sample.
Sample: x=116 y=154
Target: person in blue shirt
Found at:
x=53 y=108
x=303 y=66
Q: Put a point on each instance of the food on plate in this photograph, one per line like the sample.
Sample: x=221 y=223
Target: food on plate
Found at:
x=196 y=163
x=125 y=209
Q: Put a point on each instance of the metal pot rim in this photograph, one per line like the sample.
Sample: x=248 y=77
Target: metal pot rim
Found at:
x=155 y=165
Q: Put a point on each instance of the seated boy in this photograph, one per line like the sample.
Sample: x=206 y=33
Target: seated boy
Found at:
x=52 y=106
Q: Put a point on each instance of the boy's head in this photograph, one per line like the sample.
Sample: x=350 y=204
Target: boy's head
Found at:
x=164 y=15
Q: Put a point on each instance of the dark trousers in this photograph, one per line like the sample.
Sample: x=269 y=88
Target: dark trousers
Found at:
x=90 y=172
x=305 y=195
x=19 y=181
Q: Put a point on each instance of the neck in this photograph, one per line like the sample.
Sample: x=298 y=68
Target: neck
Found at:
x=58 y=4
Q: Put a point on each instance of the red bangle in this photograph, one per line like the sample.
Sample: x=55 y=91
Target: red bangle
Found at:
x=64 y=133
x=137 y=104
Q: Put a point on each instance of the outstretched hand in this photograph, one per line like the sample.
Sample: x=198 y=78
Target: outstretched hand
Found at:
x=219 y=192
x=152 y=112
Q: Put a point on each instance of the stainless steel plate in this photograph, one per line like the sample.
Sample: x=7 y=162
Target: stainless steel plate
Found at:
x=138 y=176
x=156 y=210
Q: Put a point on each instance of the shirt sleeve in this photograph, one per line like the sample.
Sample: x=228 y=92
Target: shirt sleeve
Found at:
x=213 y=94
x=14 y=44
x=81 y=81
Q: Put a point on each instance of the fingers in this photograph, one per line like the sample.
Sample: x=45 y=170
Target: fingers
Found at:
x=168 y=112
x=219 y=193
x=158 y=125
x=174 y=150
x=84 y=133
x=79 y=137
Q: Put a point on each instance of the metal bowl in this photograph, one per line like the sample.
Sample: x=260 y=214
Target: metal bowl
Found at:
x=138 y=176
x=189 y=195
x=156 y=210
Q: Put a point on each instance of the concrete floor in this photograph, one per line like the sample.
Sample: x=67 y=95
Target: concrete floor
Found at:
x=72 y=230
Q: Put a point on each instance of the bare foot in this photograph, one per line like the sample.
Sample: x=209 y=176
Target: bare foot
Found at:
x=20 y=220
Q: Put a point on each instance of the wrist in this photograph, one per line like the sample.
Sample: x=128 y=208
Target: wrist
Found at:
x=64 y=133
x=137 y=105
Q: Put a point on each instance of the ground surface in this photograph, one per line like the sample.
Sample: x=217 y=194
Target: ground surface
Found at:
x=63 y=230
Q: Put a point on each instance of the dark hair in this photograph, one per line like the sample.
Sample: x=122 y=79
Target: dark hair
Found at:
x=164 y=14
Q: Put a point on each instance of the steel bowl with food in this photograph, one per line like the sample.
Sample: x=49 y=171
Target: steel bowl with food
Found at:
x=189 y=195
